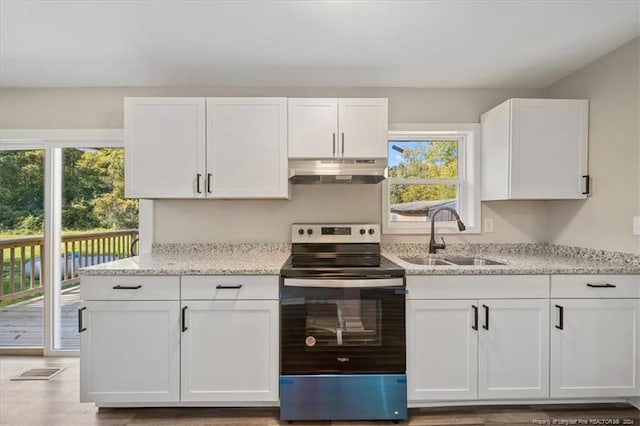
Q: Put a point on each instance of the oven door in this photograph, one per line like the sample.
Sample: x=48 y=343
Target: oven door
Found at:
x=342 y=326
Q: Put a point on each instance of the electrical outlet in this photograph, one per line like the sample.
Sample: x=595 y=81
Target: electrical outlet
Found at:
x=636 y=225
x=488 y=225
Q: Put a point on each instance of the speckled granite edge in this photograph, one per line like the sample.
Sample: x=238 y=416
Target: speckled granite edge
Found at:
x=190 y=248
x=593 y=254
x=536 y=249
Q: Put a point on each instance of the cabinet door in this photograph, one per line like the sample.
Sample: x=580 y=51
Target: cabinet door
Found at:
x=164 y=142
x=230 y=351
x=548 y=148
x=441 y=350
x=313 y=127
x=513 y=353
x=247 y=148
x=363 y=128
x=130 y=352
x=595 y=352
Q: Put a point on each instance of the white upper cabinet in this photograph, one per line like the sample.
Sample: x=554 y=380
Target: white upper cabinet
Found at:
x=313 y=128
x=247 y=148
x=338 y=128
x=535 y=149
x=213 y=148
x=164 y=142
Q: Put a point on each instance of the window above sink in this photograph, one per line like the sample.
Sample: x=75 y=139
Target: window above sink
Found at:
x=431 y=166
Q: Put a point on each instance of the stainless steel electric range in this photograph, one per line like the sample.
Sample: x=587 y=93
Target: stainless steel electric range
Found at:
x=342 y=327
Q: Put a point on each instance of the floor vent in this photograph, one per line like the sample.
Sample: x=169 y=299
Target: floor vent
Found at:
x=38 y=374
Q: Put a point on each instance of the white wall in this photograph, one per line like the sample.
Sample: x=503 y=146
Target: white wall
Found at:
x=604 y=220
x=269 y=220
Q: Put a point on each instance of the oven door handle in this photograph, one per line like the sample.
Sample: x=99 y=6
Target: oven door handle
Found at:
x=342 y=283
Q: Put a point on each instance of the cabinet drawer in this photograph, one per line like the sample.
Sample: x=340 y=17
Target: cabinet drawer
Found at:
x=478 y=286
x=129 y=287
x=595 y=286
x=230 y=287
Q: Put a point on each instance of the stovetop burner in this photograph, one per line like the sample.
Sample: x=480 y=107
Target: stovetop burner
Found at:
x=338 y=251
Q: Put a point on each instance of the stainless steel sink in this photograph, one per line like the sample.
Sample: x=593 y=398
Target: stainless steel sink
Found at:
x=463 y=261
x=429 y=261
x=451 y=261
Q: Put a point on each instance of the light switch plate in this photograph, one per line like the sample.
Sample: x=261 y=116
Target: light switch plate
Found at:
x=636 y=225
x=488 y=225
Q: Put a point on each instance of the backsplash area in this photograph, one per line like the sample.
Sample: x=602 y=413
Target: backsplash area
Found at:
x=269 y=221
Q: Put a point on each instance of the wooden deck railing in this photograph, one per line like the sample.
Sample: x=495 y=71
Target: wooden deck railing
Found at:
x=22 y=258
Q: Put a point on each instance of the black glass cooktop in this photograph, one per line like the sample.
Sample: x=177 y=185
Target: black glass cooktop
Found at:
x=339 y=260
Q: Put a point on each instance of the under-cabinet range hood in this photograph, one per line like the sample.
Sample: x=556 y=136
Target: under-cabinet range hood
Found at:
x=337 y=171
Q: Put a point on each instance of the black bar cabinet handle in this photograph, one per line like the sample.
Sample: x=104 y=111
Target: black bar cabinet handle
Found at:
x=560 y=317
x=587 y=186
x=127 y=287
x=343 y=143
x=228 y=287
x=334 y=144
x=209 y=183
x=81 y=327
x=486 y=317
x=198 y=177
x=475 y=317
x=607 y=285
x=184 y=319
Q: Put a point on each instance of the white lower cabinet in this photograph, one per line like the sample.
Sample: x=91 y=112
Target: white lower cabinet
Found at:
x=504 y=354
x=442 y=350
x=179 y=340
x=477 y=338
x=595 y=333
x=594 y=348
x=229 y=350
x=130 y=351
x=513 y=349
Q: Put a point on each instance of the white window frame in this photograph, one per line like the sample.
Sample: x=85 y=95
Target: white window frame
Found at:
x=468 y=137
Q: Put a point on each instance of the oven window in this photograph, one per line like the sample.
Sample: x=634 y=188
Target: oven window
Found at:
x=345 y=322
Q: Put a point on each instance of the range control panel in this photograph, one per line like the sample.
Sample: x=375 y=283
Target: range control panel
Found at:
x=335 y=233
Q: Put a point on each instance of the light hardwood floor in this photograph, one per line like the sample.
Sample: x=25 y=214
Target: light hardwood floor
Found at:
x=55 y=402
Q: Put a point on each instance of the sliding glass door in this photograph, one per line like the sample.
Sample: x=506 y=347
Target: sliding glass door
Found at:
x=22 y=247
x=62 y=207
x=97 y=225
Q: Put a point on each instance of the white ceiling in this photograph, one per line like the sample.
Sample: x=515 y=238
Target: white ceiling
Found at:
x=481 y=44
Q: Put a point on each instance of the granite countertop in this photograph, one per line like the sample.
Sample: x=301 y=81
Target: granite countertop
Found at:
x=536 y=258
x=267 y=259
x=199 y=259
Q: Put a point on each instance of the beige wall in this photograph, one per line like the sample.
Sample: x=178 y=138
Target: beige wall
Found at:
x=85 y=108
x=269 y=220
x=604 y=220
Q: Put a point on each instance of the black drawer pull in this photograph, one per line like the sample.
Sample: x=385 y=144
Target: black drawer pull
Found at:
x=81 y=327
x=475 y=317
x=560 y=317
x=228 y=287
x=127 y=287
x=198 y=177
x=184 y=319
x=486 y=317
x=607 y=285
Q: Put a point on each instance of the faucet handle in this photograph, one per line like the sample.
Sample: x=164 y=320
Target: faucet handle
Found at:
x=444 y=245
